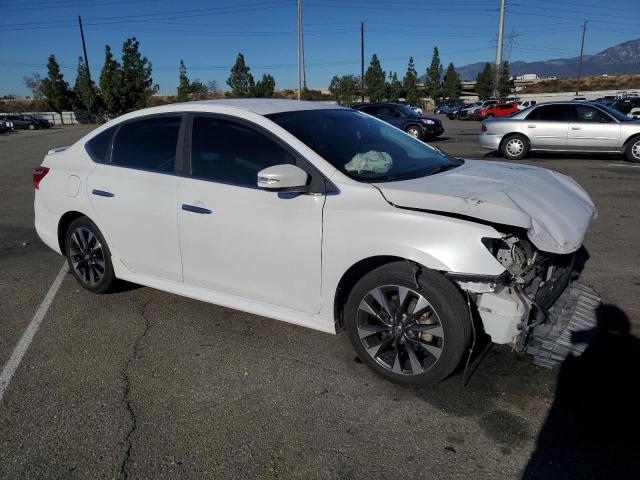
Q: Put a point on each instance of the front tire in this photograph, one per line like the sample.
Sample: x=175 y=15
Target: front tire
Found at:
x=31 y=126
x=408 y=333
x=414 y=131
x=88 y=256
x=632 y=150
x=515 y=147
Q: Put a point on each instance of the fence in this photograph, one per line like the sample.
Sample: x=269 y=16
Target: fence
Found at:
x=64 y=118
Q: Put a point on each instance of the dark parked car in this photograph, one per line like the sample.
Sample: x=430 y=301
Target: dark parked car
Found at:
x=27 y=122
x=625 y=105
x=404 y=118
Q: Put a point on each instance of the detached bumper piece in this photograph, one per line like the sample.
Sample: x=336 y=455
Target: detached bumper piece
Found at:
x=573 y=313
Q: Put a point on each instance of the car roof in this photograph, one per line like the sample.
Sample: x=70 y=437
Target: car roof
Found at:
x=267 y=106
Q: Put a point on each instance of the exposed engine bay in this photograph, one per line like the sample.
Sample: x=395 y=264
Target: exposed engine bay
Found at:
x=513 y=305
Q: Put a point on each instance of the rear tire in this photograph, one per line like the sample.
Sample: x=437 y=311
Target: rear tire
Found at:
x=515 y=147
x=632 y=150
x=88 y=256
x=419 y=336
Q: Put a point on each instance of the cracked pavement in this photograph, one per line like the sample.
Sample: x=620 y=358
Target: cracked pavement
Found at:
x=144 y=384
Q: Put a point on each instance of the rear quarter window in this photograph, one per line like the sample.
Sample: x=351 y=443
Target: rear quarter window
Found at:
x=99 y=146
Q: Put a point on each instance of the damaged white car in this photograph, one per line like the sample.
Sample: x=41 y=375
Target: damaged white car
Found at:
x=320 y=216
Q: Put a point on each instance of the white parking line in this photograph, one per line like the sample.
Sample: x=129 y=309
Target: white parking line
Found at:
x=22 y=346
x=622 y=165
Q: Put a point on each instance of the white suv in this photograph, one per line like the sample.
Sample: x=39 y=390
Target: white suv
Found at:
x=316 y=215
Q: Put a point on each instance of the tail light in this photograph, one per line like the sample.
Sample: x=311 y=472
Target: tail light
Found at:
x=484 y=127
x=38 y=174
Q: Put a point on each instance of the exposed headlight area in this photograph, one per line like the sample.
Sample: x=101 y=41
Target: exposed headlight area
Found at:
x=428 y=121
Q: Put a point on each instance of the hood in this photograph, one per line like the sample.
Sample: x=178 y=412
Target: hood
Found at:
x=552 y=207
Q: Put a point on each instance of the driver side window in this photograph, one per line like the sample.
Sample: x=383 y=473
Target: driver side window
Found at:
x=230 y=152
x=583 y=113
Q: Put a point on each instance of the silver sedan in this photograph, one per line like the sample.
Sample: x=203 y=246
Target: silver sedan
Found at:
x=563 y=127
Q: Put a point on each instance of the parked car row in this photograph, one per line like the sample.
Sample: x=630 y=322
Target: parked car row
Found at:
x=24 y=122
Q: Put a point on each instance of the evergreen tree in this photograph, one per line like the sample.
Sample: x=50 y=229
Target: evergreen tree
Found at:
x=240 y=80
x=395 y=88
x=411 y=84
x=451 y=86
x=184 y=86
x=265 y=87
x=374 y=81
x=434 y=72
x=85 y=89
x=137 y=84
x=484 y=82
x=111 y=83
x=198 y=88
x=505 y=85
x=55 y=89
x=345 y=89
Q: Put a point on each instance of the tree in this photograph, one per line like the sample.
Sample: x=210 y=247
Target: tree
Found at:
x=85 y=89
x=137 y=83
x=344 y=89
x=55 y=89
x=240 y=80
x=484 y=82
x=184 y=87
x=451 y=86
x=374 y=81
x=111 y=83
x=265 y=87
x=434 y=72
x=395 y=88
x=198 y=88
x=505 y=84
x=411 y=84
x=34 y=83
x=212 y=87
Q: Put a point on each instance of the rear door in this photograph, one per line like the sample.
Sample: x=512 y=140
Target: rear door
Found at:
x=592 y=129
x=547 y=126
x=134 y=195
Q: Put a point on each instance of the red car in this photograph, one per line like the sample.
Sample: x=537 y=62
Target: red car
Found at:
x=497 y=110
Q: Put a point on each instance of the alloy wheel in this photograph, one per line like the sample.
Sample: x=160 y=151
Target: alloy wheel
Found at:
x=413 y=132
x=635 y=150
x=87 y=256
x=400 y=330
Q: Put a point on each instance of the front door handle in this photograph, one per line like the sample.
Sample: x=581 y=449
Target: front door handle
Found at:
x=196 y=209
x=531 y=126
x=102 y=193
x=575 y=128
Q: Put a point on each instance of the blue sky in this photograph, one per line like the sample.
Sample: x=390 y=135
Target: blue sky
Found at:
x=207 y=35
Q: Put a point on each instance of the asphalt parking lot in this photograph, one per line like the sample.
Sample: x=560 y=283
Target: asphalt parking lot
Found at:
x=145 y=384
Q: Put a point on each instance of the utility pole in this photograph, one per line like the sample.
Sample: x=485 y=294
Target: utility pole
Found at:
x=304 y=70
x=84 y=47
x=299 y=50
x=499 y=49
x=362 y=61
x=584 y=30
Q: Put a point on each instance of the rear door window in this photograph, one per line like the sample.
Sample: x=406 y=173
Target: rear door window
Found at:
x=550 y=113
x=147 y=144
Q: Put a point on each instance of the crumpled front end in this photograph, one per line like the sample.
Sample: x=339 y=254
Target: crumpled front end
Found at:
x=522 y=302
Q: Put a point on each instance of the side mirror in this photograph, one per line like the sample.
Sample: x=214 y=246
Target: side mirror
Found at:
x=283 y=178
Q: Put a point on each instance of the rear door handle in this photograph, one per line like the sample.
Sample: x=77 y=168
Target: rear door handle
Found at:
x=195 y=209
x=102 y=193
x=575 y=128
x=531 y=126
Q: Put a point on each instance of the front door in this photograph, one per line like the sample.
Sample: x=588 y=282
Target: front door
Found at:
x=592 y=129
x=237 y=239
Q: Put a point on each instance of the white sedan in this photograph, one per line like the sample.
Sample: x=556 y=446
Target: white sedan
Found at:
x=316 y=215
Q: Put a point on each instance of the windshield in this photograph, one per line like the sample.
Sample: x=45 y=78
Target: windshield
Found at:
x=621 y=117
x=362 y=147
x=406 y=111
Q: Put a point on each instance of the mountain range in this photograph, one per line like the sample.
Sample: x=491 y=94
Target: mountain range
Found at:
x=621 y=59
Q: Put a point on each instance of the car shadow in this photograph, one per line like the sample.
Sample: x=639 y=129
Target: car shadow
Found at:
x=592 y=430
